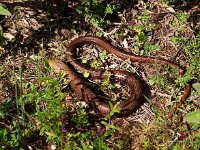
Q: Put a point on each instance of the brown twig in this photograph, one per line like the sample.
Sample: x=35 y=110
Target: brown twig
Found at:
x=183 y=98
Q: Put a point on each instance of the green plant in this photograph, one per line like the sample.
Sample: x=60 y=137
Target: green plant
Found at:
x=45 y=100
x=97 y=64
x=10 y=136
x=196 y=141
x=51 y=100
x=13 y=133
x=86 y=140
x=141 y=39
x=182 y=17
x=4 y=11
x=159 y=81
x=192 y=117
x=99 y=142
x=191 y=47
x=96 y=12
x=142 y=43
x=196 y=86
x=81 y=119
x=49 y=117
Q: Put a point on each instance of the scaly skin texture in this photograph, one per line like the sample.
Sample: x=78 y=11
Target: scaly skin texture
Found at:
x=84 y=92
x=131 y=80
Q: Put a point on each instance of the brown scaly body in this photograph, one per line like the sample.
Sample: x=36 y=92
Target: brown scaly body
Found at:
x=132 y=80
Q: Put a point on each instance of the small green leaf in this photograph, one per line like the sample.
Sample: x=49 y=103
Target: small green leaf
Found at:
x=193 y=117
x=106 y=79
x=196 y=86
x=4 y=11
x=84 y=60
x=94 y=1
x=108 y=125
x=95 y=64
x=109 y=9
x=151 y=82
x=86 y=74
x=103 y=56
x=84 y=146
x=79 y=10
x=51 y=134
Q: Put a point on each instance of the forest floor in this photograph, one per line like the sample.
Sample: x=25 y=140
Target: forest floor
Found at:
x=38 y=108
